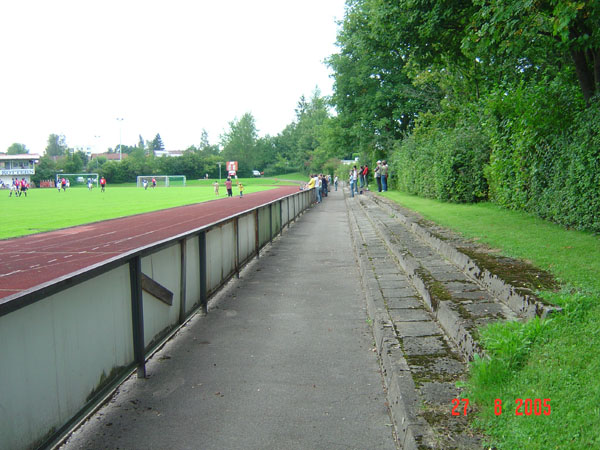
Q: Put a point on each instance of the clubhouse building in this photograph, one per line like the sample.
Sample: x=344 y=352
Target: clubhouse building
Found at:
x=17 y=166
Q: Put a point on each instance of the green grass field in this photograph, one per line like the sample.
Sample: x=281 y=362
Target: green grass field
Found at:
x=47 y=209
x=556 y=359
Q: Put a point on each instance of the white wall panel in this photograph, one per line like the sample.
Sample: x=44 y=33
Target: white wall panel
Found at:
x=192 y=280
x=214 y=258
x=164 y=267
x=54 y=352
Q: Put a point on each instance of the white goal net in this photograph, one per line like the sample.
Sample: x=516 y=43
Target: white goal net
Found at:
x=78 y=179
x=161 y=180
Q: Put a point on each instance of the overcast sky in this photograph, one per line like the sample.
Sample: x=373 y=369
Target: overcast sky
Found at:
x=172 y=67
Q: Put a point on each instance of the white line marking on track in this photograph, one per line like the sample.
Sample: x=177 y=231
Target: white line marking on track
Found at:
x=10 y=273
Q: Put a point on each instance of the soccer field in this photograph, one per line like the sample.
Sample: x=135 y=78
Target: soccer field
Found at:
x=47 y=209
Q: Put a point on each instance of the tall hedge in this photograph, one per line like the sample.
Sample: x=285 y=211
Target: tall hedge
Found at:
x=444 y=164
x=545 y=154
x=570 y=193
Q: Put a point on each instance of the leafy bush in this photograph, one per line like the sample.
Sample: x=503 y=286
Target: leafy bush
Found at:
x=545 y=154
x=444 y=163
x=572 y=194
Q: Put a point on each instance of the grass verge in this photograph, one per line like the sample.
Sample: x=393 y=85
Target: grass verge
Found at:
x=555 y=359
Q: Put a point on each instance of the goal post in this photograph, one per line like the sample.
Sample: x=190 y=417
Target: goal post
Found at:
x=78 y=179
x=162 y=180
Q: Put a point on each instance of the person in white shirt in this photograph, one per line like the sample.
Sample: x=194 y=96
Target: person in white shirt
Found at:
x=353 y=179
x=318 y=188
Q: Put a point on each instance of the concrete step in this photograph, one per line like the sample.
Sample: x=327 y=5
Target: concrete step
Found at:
x=421 y=365
x=427 y=300
x=458 y=302
x=519 y=296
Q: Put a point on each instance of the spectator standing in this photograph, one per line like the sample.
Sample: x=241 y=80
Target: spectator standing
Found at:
x=216 y=186
x=353 y=180
x=318 y=187
x=378 y=175
x=361 y=177
x=324 y=186
x=241 y=188
x=228 y=187
x=335 y=182
x=384 y=175
x=366 y=176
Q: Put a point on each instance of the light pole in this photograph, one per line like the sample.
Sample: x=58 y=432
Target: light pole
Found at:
x=120 y=119
x=219 y=163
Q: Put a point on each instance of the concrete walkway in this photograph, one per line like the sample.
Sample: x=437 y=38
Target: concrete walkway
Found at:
x=283 y=360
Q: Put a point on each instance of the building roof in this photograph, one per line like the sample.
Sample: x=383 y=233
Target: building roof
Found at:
x=160 y=153
x=109 y=156
x=22 y=156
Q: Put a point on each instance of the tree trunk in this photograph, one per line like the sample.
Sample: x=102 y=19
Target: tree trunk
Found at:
x=585 y=74
x=596 y=60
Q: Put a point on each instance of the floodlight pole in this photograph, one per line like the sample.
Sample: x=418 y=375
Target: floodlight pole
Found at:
x=97 y=137
x=219 y=163
x=120 y=119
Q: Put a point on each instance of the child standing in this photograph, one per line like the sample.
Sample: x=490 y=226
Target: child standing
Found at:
x=241 y=188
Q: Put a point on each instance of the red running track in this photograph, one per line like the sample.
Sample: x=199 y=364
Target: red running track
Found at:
x=29 y=261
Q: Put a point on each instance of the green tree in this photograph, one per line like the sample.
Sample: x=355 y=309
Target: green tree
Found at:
x=205 y=146
x=543 y=34
x=72 y=163
x=17 y=149
x=56 y=145
x=45 y=169
x=156 y=143
x=239 y=144
x=375 y=99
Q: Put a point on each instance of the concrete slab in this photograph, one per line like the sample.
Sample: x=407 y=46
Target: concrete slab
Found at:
x=398 y=293
x=399 y=284
x=439 y=393
x=388 y=268
x=436 y=368
x=473 y=295
x=485 y=309
x=393 y=277
x=425 y=328
x=424 y=345
x=402 y=303
x=457 y=286
x=453 y=275
x=409 y=315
